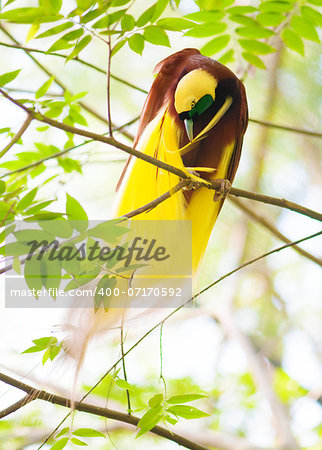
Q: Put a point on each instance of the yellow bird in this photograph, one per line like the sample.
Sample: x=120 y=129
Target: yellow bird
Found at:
x=195 y=117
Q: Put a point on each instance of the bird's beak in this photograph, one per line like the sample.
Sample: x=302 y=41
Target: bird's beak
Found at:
x=188 y=123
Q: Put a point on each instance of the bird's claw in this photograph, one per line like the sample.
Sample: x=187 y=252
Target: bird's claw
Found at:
x=194 y=181
x=222 y=190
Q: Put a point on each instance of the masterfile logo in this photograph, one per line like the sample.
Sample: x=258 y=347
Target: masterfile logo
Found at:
x=111 y=264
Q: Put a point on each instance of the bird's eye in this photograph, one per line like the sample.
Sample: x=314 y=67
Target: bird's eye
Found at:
x=193 y=104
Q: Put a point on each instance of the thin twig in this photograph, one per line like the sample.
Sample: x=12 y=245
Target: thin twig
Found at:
x=98 y=411
x=142 y=338
x=269 y=226
x=161 y=362
x=215 y=185
x=129 y=409
x=17 y=405
x=265 y=123
x=18 y=135
x=108 y=75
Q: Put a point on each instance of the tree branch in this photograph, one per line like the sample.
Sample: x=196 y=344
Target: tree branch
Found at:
x=18 y=135
x=269 y=226
x=214 y=184
x=97 y=411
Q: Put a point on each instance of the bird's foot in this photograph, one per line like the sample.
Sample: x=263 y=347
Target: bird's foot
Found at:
x=222 y=190
x=194 y=179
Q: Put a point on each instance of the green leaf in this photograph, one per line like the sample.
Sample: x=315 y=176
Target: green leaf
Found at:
x=215 y=45
x=136 y=43
x=187 y=412
x=170 y=420
x=119 y=2
x=124 y=385
x=150 y=419
x=44 y=88
x=227 y=57
x=315 y=2
x=15 y=249
x=55 y=30
x=209 y=29
x=44 y=215
x=175 y=24
x=160 y=6
x=65 y=41
x=62 y=432
x=9 y=76
x=88 y=432
x=83 y=278
x=185 y=398
x=33 y=349
x=51 y=274
x=156 y=400
x=243 y=20
x=254 y=32
x=33 y=30
x=108 y=20
x=254 y=60
x=54 y=351
x=276 y=6
x=156 y=36
x=60 y=44
x=52 y=6
x=110 y=230
x=286 y=388
x=60 y=227
x=304 y=28
x=145 y=17
x=32 y=274
x=38 y=207
x=73 y=35
x=312 y=15
x=45 y=356
x=206 y=16
x=29 y=15
x=293 y=41
x=16 y=265
x=270 y=19
x=241 y=9
x=76 y=116
x=85 y=4
x=127 y=22
x=45 y=342
x=76 y=441
x=118 y=46
x=76 y=214
x=79 y=47
x=257 y=47
x=103 y=300
x=91 y=15
x=2 y=187
x=60 y=444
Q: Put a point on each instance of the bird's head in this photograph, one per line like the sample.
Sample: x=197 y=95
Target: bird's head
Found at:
x=195 y=93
